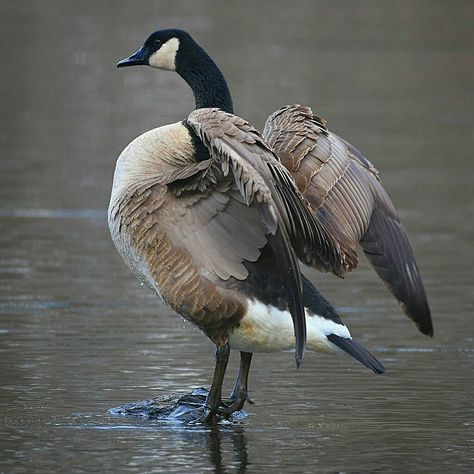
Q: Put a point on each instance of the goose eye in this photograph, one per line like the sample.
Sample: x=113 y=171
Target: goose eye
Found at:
x=156 y=42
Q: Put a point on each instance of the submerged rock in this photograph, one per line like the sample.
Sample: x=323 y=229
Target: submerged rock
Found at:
x=175 y=407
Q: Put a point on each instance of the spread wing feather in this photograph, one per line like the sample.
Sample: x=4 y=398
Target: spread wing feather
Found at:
x=344 y=191
x=238 y=152
x=260 y=177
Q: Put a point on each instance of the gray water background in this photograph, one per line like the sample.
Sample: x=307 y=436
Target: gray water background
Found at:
x=79 y=335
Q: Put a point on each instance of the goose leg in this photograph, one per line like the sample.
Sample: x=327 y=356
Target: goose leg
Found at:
x=214 y=398
x=239 y=393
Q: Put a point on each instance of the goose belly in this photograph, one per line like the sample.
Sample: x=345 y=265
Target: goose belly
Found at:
x=265 y=328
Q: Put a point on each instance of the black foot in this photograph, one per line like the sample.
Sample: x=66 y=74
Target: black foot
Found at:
x=235 y=403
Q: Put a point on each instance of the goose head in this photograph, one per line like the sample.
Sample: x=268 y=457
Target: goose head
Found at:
x=175 y=50
x=164 y=49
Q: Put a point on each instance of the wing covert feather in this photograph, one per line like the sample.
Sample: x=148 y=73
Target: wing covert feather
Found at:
x=260 y=176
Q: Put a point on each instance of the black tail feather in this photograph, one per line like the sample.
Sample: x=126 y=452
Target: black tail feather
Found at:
x=357 y=351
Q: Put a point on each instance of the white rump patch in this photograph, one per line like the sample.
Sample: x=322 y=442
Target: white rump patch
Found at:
x=265 y=328
x=165 y=57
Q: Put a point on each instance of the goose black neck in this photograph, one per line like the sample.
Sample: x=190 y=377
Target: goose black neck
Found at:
x=196 y=67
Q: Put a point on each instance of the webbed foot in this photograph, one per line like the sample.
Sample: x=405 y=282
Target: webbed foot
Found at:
x=235 y=403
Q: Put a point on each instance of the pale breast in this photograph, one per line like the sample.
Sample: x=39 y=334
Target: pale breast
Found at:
x=150 y=158
x=144 y=213
x=136 y=193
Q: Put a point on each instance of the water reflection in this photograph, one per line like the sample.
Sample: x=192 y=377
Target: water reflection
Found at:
x=239 y=446
x=222 y=446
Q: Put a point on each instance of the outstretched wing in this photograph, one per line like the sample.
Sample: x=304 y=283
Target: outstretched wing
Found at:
x=259 y=175
x=238 y=151
x=344 y=191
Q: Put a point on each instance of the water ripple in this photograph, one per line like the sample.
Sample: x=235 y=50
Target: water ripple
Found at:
x=54 y=213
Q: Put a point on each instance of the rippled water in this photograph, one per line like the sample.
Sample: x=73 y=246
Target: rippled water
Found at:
x=78 y=334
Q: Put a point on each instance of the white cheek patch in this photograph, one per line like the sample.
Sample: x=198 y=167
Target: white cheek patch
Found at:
x=165 y=57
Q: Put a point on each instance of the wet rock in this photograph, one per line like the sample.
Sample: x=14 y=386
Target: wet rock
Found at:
x=175 y=407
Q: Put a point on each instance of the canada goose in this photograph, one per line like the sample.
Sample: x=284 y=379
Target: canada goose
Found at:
x=206 y=215
x=342 y=187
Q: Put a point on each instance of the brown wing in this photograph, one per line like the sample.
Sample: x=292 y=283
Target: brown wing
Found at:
x=222 y=233
x=176 y=243
x=218 y=230
x=189 y=234
x=197 y=225
x=260 y=176
x=344 y=191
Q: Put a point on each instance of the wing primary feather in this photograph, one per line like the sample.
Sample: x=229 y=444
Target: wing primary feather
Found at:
x=292 y=277
x=389 y=251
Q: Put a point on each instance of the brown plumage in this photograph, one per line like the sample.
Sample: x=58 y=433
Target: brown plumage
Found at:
x=188 y=227
x=344 y=190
